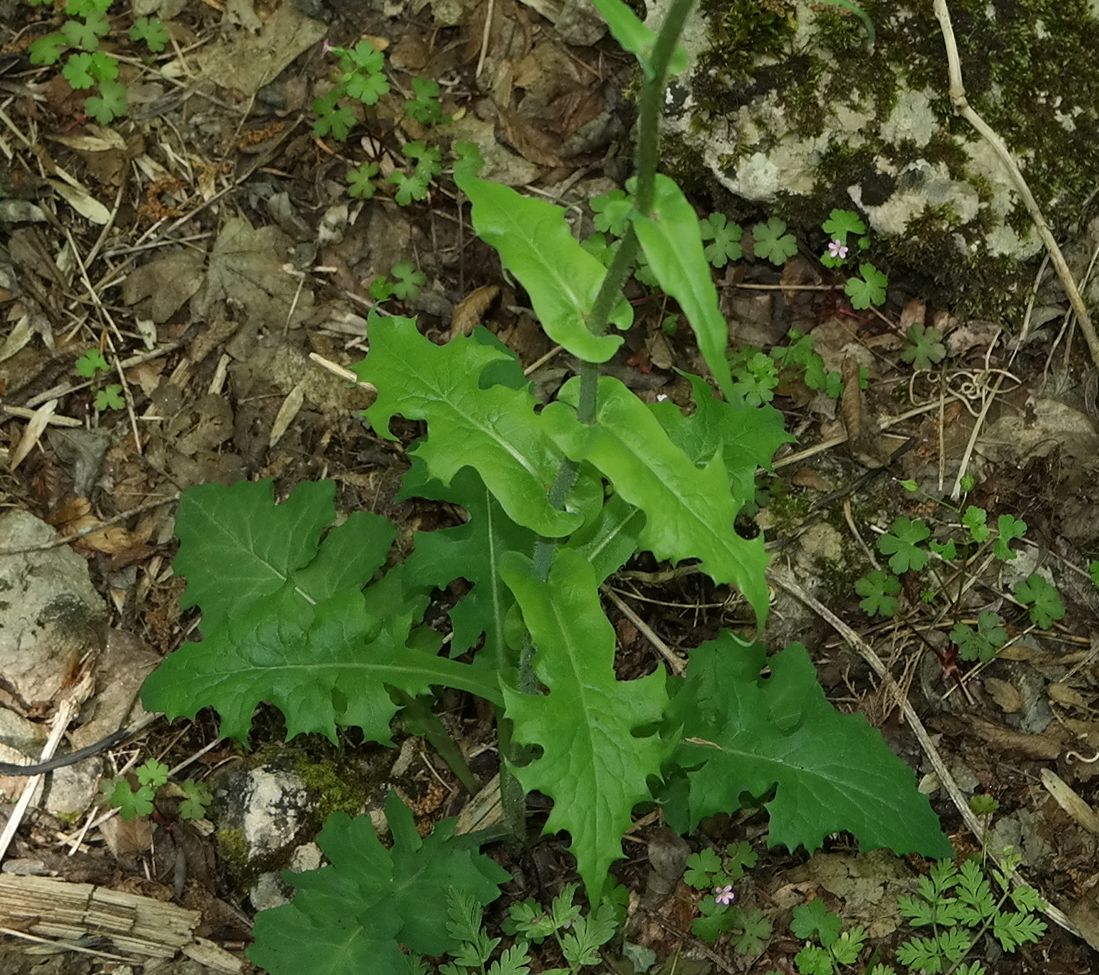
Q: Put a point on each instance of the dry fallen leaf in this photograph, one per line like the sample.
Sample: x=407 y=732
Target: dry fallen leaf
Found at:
x=471 y=309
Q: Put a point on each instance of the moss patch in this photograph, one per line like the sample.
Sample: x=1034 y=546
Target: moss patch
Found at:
x=797 y=77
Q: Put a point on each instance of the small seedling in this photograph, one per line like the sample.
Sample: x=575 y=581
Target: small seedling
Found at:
x=152 y=31
x=361 y=78
x=756 y=376
x=579 y=936
x=829 y=946
x=425 y=106
x=611 y=212
x=86 y=67
x=902 y=544
x=868 y=288
x=91 y=364
x=724 y=237
x=406 y=284
x=924 y=347
x=983 y=642
x=361 y=181
x=110 y=398
x=1042 y=600
x=772 y=242
x=749 y=927
x=152 y=776
x=879 y=591
x=414 y=185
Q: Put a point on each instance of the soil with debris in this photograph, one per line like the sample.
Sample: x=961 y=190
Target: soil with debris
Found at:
x=204 y=248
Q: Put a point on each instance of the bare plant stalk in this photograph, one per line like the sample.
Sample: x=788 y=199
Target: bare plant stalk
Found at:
x=966 y=111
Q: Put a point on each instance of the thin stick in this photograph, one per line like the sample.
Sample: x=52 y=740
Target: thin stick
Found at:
x=91 y=530
x=647 y=631
x=963 y=108
x=66 y=711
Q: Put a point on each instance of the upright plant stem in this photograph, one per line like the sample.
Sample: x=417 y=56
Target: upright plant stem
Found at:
x=645 y=157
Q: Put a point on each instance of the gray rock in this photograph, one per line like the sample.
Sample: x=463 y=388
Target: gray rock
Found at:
x=786 y=105
x=50 y=615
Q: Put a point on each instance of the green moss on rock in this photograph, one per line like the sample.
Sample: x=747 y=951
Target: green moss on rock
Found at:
x=790 y=109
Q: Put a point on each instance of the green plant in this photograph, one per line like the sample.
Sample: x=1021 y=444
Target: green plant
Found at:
x=152 y=777
x=924 y=347
x=91 y=364
x=152 y=32
x=957 y=903
x=879 y=591
x=361 y=181
x=424 y=105
x=87 y=67
x=1041 y=599
x=110 y=398
x=579 y=936
x=724 y=240
x=406 y=284
x=868 y=288
x=983 y=642
x=799 y=355
x=321 y=621
x=414 y=185
x=960 y=906
x=772 y=242
x=902 y=544
x=829 y=946
x=757 y=375
x=355 y=914
x=749 y=928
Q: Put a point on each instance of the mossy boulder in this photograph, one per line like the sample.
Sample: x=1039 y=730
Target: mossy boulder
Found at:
x=791 y=108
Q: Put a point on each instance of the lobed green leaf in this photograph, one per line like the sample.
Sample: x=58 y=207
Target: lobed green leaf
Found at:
x=778 y=736
x=536 y=245
x=594 y=763
x=493 y=430
x=689 y=510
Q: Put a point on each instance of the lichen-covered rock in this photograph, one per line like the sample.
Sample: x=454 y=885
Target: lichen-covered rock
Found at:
x=789 y=106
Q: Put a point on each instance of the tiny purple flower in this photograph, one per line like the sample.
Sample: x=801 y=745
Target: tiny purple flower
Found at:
x=326 y=46
x=725 y=895
x=837 y=249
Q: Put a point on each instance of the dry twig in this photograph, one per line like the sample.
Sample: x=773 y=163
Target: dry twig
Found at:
x=966 y=111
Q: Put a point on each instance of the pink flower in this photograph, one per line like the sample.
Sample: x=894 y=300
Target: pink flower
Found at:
x=326 y=46
x=837 y=248
x=725 y=895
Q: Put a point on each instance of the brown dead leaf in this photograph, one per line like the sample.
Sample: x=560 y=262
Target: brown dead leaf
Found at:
x=411 y=53
x=913 y=313
x=807 y=477
x=33 y=432
x=863 y=435
x=160 y=288
x=471 y=309
x=531 y=143
x=75 y=515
